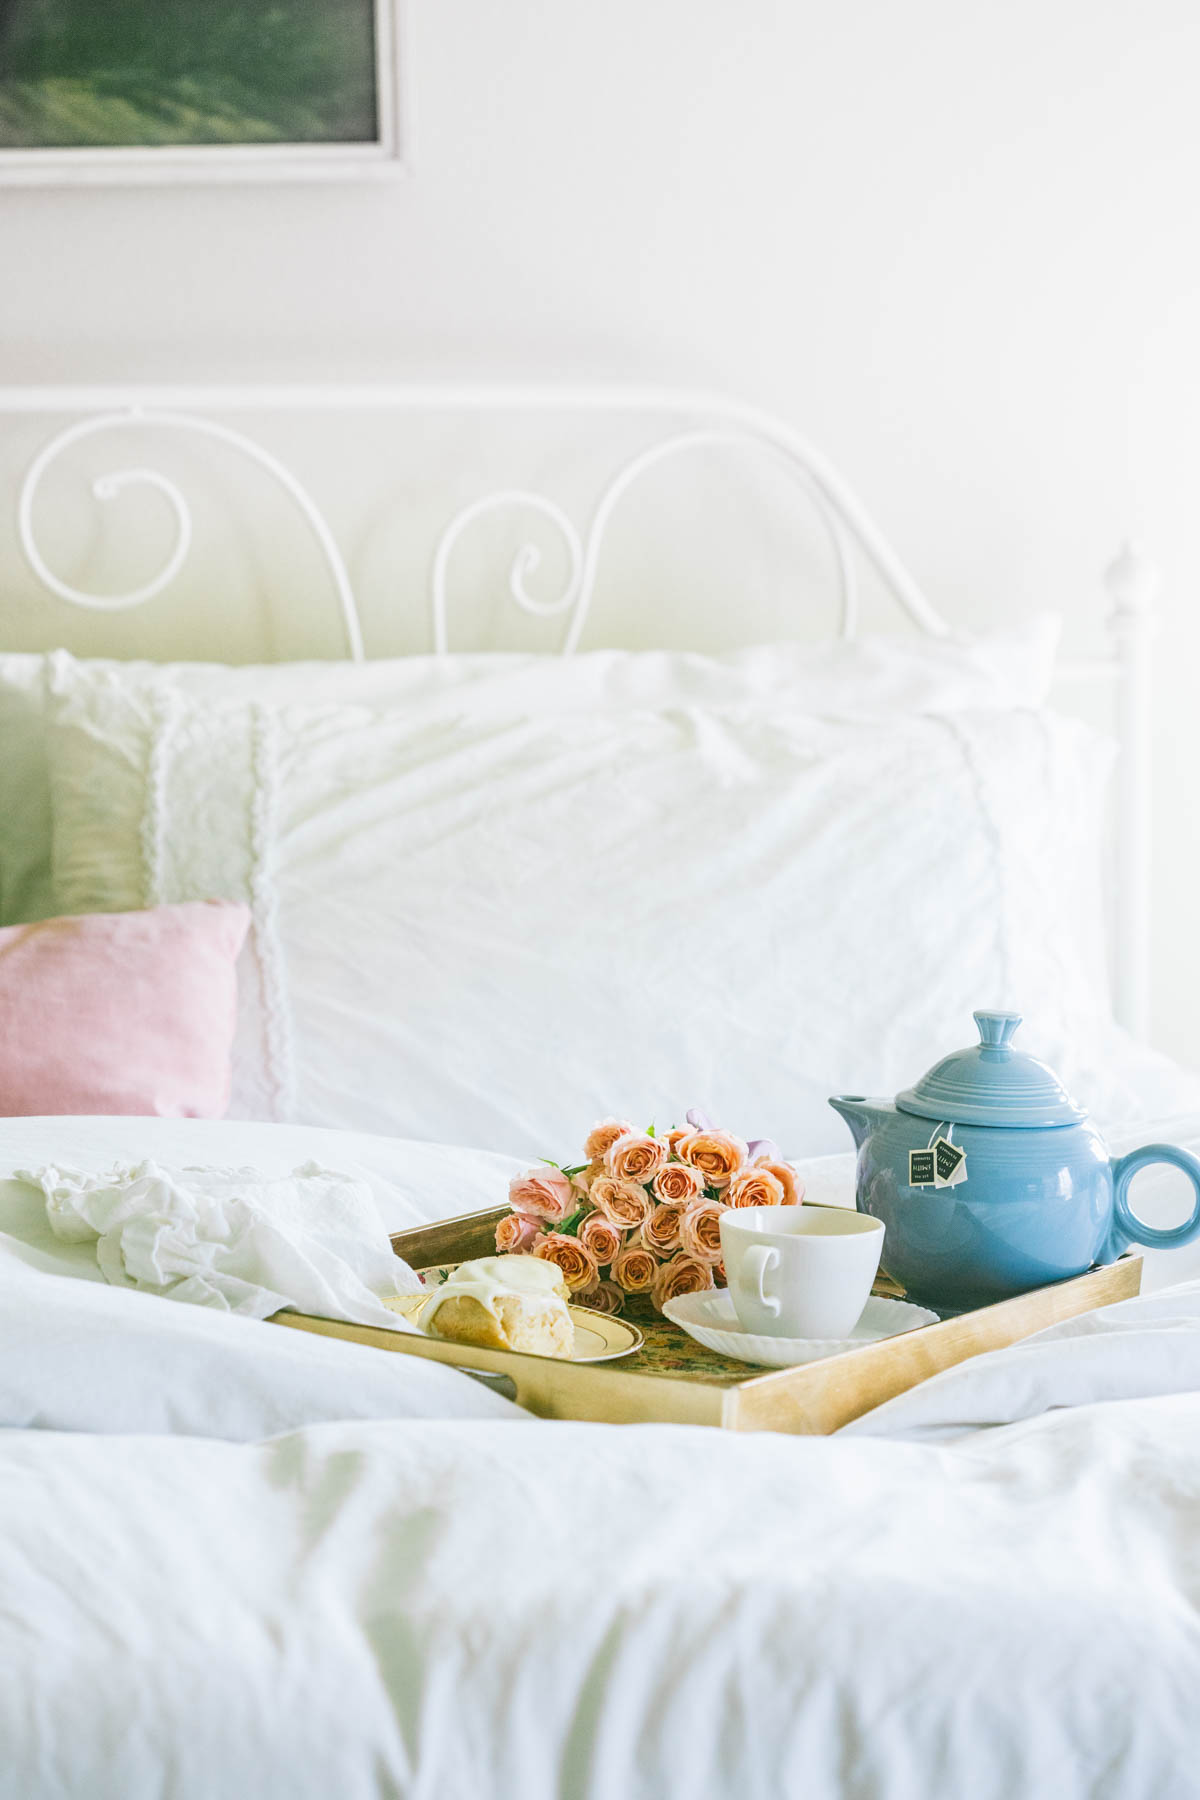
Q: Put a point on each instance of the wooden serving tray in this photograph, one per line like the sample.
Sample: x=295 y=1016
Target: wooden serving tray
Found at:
x=673 y=1380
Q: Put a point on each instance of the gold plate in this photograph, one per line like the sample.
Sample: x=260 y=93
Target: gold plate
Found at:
x=599 y=1337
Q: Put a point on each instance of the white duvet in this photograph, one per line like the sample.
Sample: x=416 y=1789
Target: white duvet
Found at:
x=990 y=1588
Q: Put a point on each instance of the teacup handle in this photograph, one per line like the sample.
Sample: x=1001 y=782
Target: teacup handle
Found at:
x=760 y=1258
x=1127 y=1222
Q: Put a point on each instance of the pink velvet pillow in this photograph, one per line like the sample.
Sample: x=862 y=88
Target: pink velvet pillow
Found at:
x=121 y=1012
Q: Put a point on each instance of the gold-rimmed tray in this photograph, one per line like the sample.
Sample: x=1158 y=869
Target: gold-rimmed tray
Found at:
x=670 y=1379
x=599 y=1337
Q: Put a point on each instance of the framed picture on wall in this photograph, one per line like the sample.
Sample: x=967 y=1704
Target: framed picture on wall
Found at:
x=159 y=90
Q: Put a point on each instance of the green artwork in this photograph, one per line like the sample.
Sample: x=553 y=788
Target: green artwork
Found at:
x=87 y=74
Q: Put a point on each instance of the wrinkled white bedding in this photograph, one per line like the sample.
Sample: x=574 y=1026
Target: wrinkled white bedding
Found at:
x=101 y=1358
x=231 y=1238
x=939 y=1603
x=491 y=1610
x=411 y=1182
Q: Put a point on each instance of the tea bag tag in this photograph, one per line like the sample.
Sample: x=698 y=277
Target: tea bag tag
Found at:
x=941 y=1165
x=922 y=1168
x=950 y=1163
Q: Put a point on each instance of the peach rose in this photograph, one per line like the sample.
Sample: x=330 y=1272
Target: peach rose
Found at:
x=515 y=1233
x=578 y=1265
x=660 y=1233
x=755 y=1186
x=624 y=1203
x=717 y=1154
x=682 y=1275
x=634 y=1157
x=602 y=1135
x=635 y=1268
x=583 y=1181
x=543 y=1193
x=600 y=1237
x=700 y=1233
x=677 y=1184
x=673 y=1138
x=793 y=1187
x=605 y=1297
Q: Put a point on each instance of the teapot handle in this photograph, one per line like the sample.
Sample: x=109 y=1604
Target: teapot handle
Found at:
x=1124 y=1168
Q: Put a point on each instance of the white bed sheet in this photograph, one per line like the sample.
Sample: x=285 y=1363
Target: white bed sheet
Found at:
x=393 y=1605
x=82 y=1356
x=582 y=1612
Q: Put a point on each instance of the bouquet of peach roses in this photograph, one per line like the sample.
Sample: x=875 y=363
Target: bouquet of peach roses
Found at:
x=641 y=1215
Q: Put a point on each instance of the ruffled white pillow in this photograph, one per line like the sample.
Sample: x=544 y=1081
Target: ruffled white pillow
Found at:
x=488 y=921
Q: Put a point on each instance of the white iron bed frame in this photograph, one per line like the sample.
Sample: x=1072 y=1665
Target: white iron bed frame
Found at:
x=684 y=422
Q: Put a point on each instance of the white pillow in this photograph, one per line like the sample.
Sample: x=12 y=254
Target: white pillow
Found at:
x=866 y=678
x=491 y=926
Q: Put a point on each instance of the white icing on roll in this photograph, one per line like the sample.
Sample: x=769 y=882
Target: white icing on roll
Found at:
x=491 y=1277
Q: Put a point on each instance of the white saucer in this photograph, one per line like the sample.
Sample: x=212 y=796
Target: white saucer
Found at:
x=711 y=1320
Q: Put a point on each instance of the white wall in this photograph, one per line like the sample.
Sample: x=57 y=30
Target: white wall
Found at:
x=954 y=241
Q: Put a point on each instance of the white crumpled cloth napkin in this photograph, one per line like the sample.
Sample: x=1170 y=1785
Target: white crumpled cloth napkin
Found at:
x=235 y=1239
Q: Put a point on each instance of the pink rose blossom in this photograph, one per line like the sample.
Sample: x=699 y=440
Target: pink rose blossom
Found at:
x=568 y=1254
x=700 y=1233
x=601 y=1237
x=682 y=1275
x=624 y=1203
x=786 y=1176
x=542 y=1193
x=660 y=1233
x=515 y=1233
x=635 y=1268
x=755 y=1186
x=635 y=1157
x=605 y=1297
x=677 y=1184
x=602 y=1135
x=717 y=1154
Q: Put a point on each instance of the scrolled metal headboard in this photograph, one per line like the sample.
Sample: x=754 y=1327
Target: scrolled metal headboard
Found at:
x=685 y=423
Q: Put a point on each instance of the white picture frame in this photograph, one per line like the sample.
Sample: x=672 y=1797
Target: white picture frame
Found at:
x=384 y=158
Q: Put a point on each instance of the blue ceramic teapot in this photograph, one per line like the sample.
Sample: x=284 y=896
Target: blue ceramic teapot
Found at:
x=991 y=1181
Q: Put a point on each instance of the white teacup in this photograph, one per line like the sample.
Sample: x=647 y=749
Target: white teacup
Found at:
x=800 y=1271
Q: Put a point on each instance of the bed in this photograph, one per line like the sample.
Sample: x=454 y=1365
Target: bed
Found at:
x=487 y=897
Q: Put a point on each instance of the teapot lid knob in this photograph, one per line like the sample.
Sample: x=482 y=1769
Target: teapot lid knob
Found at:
x=992 y=1083
x=996 y=1028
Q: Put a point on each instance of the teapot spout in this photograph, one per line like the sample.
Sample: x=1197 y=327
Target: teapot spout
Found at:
x=861 y=1115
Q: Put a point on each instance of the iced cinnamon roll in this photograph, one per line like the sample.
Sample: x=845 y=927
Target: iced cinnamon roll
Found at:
x=503 y=1303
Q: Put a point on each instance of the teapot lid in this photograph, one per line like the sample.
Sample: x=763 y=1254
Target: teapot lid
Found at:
x=992 y=1084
